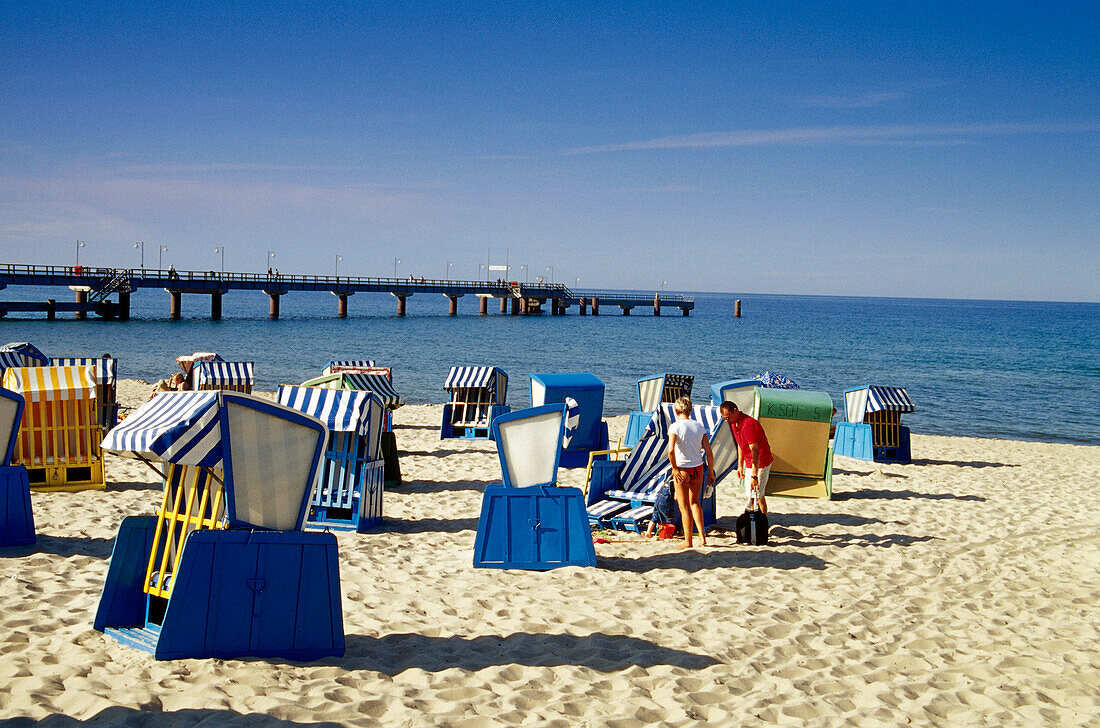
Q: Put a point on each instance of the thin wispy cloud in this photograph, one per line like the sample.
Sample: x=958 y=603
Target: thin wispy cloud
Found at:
x=850 y=101
x=916 y=133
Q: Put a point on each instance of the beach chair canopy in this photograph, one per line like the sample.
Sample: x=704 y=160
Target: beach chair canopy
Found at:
x=378 y=383
x=11 y=414
x=738 y=391
x=572 y=420
x=492 y=378
x=344 y=364
x=187 y=362
x=529 y=445
x=221 y=373
x=341 y=410
x=771 y=380
x=106 y=368
x=657 y=388
x=21 y=354
x=861 y=401
x=268 y=454
x=46 y=384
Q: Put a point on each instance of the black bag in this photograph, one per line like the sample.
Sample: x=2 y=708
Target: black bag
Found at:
x=752 y=528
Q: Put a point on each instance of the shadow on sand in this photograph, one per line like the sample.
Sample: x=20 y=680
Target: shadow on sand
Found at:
x=721 y=557
x=427 y=525
x=964 y=463
x=151 y=716
x=96 y=548
x=867 y=494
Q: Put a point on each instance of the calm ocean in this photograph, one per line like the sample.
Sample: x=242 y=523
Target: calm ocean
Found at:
x=1017 y=370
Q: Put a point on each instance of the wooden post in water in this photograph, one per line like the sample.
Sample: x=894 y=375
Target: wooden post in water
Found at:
x=82 y=297
x=51 y=309
x=737 y=308
x=595 y=306
x=452 y=305
x=401 y=303
x=342 y=304
x=583 y=306
x=503 y=305
x=656 y=304
x=515 y=306
x=483 y=305
x=273 y=307
x=175 y=305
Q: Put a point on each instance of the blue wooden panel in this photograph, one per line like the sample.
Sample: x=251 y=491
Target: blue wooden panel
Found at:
x=605 y=477
x=188 y=617
x=16 y=518
x=853 y=439
x=635 y=426
x=533 y=528
x=122 y=603
x=275 y=589
x=319 y=627
x=233 y=566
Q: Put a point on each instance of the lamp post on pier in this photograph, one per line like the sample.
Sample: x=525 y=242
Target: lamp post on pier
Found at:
x=160 y=256
x=576 y=281
x=551 y=269
x=336 y=272
x=479 y=267
x=524 y=267
x=663 y=284
x=396 y=262
x=270 y=256
x=79 y=245
x=142 y=246
x=449 y=266
x=221 y=249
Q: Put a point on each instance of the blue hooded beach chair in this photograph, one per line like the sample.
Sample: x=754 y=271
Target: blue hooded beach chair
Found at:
x=652 y=391
x=477 y=398
x=16 y=518
x=224 y=568
x=874 y=430
x=621 y=493
x=349 y=490
x=586 y=392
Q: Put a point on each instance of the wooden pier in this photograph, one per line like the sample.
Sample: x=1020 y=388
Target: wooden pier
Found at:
x=106 y=292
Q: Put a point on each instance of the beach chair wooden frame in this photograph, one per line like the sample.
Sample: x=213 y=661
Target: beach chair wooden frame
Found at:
x=477 y=396
x=106 y=389
x=59 y=437
x=16 y=516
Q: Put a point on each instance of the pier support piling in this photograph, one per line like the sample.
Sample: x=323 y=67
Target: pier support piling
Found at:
x=684 y=310
x=51 y=309
x=215 y=306
x=504 y=305
x=483 y=305
x=737 y=308
x=400 y=304
x=273 y=306
x=515 y=306
x=452 y=305
x=82 y=297
x=342 y=305
x=656 y=306
x=626 y=310
x=124 y=306
x=595 y=306
x=583 y=307
x=175 y=305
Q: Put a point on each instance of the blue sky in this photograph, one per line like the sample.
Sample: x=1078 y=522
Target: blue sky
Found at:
x=933 y=149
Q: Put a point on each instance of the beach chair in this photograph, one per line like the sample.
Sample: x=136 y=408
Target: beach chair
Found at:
x=796 y=422
x=587 y=391
x=16 y=518
x=873 y=430
x=347 y=365
x=621 y=493
x=379 y=381
x=224 y=568
x=349 y=491
x=222 y=376
x=59 y=434
x=21 y=354
x=477 y=398
x=106 y=386
x=739 y=391
x=652 y=391
x=528 y=522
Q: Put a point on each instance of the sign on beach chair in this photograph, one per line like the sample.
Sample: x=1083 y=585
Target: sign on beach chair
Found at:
x=796 y=422
x=621 y=493
x=874 y=430
x=352 y=476
x=529 y=522
x=16 y=518
x=587 y=391
x=652 y=391
x=477 y=399
x=238 y=473
x=59 y=434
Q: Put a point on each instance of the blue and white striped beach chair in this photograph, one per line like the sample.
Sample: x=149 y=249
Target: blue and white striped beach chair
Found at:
x=652 y=391
x=224 y=376
x=621 y=493
x=349 y=490
x=224 y=568
x=477 y=398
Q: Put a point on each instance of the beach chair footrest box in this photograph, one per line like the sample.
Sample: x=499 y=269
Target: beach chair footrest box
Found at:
x=543 y=527
x=86 y=476
x=633 y=519
x=16 y=518
x=237 y=593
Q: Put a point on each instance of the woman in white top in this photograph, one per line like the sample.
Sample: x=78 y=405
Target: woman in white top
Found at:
x=687 y=445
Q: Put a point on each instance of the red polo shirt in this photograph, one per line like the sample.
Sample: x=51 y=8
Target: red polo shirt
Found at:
x=748 y=431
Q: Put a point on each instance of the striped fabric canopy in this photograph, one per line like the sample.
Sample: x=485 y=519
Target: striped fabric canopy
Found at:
x=222 y=373
x=32 y=355
x=177 y=427
x=105 y=368
x=341 y=410
x=47 y=384
x=335 y=366
x=379 y=384
x=894 y=399
x=572 y=420
x=492 y=378
x=9 y=359
x=187 y=361
x=656 y=389
x=649 y=459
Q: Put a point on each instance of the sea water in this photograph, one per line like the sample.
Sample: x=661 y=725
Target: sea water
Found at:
x=1004 y=369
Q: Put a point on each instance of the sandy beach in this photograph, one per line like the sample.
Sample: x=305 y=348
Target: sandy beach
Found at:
x=959 y=590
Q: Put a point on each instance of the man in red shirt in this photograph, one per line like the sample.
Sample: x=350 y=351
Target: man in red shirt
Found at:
x=754 y=453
